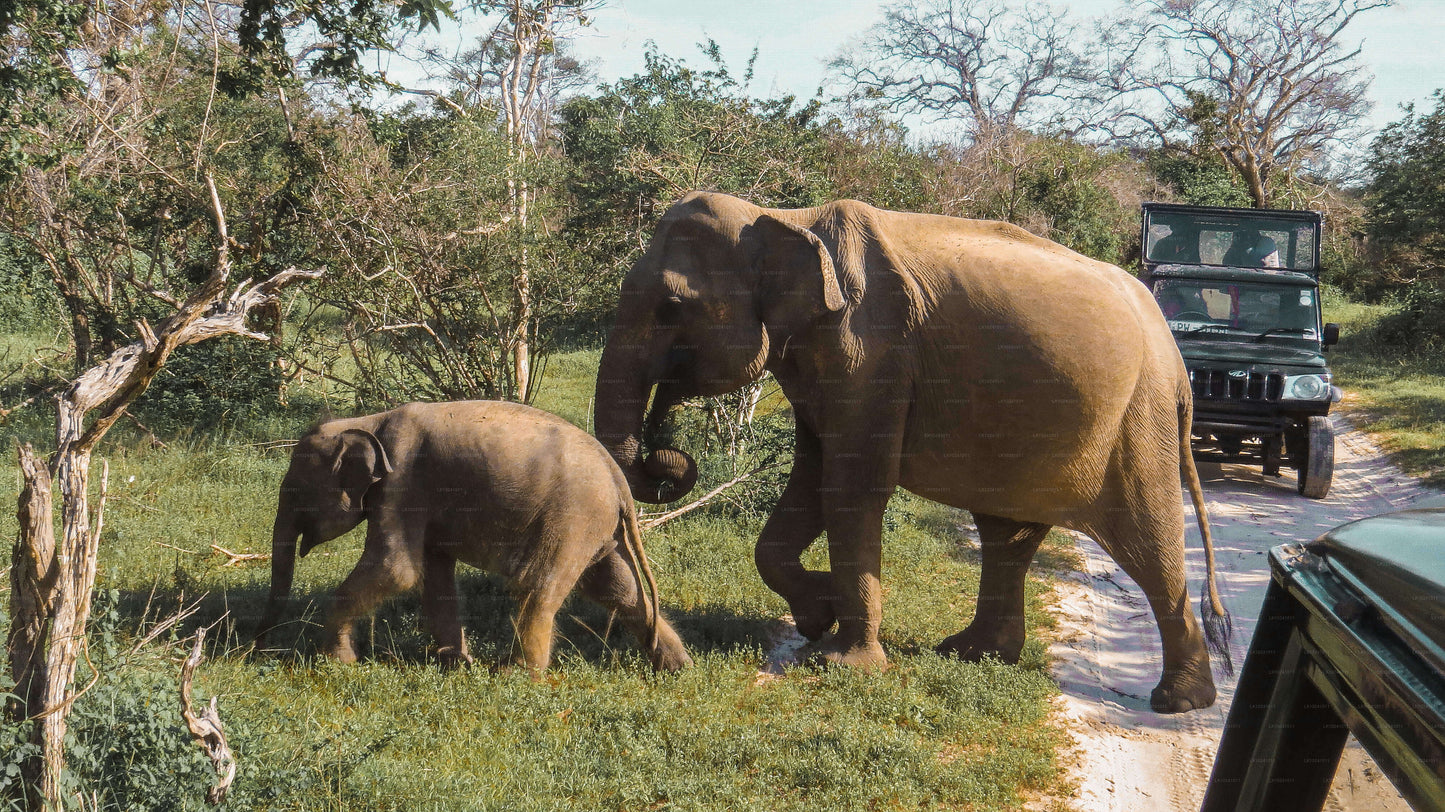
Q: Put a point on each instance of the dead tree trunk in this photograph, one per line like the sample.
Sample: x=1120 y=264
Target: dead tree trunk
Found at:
x=51 y=602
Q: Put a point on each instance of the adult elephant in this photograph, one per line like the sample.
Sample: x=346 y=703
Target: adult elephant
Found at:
x=967 y=361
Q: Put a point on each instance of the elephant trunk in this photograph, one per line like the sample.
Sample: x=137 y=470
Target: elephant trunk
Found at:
x=623 y=385
x=283 y=567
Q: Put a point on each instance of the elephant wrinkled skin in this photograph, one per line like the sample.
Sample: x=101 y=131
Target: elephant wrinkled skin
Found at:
x=500 y=486
x=967 y=361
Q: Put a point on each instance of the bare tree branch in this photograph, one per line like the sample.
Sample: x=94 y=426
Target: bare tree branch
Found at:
x=1266 y=85
x=979 y=62
x=206 y=727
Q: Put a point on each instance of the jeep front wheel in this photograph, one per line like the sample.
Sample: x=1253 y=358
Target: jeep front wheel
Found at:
x=1317 y=468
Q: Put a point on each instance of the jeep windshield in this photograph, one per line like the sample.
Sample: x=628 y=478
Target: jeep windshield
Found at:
x=1242 y=310
x=1240 y=242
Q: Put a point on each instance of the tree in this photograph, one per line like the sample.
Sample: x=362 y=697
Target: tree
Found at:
x=1266 y=85
x=117 y=182
x=416 y=212
x=1405 y=200
x=980 y=62
x=643 y=142
x=521 y=67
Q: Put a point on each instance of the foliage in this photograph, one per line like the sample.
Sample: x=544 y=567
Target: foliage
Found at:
x=16 y=746
x=1067 y=187
x=221 y=383
x=870 y=159
x=35 y=36
x=1405 y=201
x=335 y=38
x=1411 y=326
x=423 y=260
x=127 y=746
x=1051 y=186
x=27 y=298
x=1198 y=180
x=1391 y=362
x=643 y=142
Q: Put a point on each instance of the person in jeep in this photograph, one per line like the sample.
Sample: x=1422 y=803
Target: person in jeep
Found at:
x=1180 y=245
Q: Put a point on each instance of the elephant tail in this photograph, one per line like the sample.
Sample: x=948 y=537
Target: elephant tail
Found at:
x=642 y=571
x=1218 y=626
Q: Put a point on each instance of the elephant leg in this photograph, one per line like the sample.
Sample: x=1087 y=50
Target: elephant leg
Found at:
x=441 y=608
x=375 y=578
x=1149 y=547
x=860 y=464
x=611 y=583
x=855 y=550
x=795 y=523
x=997 y=629
x=540 y=591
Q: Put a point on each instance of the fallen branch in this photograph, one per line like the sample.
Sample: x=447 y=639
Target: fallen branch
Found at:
x=4 y=412
x=233 y=559
x=206 y=727
x=177 y=549
x=651 y=520
x=163 y=626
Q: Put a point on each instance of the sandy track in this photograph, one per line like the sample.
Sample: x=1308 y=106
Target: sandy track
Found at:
x=1128 y=759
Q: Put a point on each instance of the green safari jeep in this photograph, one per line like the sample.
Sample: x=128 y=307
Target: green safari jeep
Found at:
x=1240 y=290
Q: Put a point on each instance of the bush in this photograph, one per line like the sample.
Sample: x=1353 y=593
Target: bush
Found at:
x=27 y=299
x=1415 y=328
x=216 y=383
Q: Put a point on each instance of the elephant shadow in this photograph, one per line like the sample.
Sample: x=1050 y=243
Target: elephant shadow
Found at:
x=395 y=633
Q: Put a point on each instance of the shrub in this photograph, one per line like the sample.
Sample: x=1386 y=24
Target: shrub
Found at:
x=217 y=383
x=1415 y=328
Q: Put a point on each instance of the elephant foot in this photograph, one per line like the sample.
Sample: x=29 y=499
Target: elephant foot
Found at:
x=813 y=615
x=970 y=645
x=341 y=652
x=671 y=661
x=832 y=651
x=1183 y=691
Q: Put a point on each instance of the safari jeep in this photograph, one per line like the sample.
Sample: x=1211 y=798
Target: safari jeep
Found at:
x=1240 y=290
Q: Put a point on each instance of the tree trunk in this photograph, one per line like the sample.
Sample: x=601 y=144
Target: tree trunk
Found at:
x=49 y=607
x=50 y=603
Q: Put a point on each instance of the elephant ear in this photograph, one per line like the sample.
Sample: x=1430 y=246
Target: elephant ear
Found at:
x=797 y=280
x=361 y=461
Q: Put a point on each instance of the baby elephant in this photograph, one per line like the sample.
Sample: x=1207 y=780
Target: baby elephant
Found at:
x=500 y=486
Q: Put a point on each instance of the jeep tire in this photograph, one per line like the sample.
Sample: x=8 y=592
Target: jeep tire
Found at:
x=1317 y=466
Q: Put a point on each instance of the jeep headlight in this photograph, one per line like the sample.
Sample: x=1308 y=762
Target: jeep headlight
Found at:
x=1307 y=387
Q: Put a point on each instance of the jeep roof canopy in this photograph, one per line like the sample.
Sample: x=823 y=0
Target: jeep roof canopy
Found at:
x=1225 y=236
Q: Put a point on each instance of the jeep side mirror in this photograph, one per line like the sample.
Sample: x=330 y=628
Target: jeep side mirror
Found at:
x=1332 y=334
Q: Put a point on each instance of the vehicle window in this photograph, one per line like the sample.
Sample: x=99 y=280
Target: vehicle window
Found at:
x=1242 y=242
x=1192 y=305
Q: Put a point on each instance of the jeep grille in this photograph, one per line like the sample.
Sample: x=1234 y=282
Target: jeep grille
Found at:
x=1218 y=384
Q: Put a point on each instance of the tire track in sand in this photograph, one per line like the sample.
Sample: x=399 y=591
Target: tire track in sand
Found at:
x=1107 y=657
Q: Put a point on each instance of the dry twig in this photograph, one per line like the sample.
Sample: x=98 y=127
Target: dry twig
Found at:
x=206 y=727
x=233 y=559
x=652 y=520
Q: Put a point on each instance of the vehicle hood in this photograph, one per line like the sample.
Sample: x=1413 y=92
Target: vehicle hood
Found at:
x=1262 y=354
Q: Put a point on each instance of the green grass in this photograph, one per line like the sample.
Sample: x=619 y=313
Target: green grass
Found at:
x=1397 y=397
x=601 y=731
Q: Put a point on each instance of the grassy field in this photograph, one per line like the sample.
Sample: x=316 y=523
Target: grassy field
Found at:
x=601 y=732
x=1399 y=399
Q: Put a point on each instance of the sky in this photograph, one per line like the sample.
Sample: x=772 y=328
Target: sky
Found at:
x=795 y=38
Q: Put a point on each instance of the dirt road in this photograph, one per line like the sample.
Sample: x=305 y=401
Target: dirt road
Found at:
x=1128 y=759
